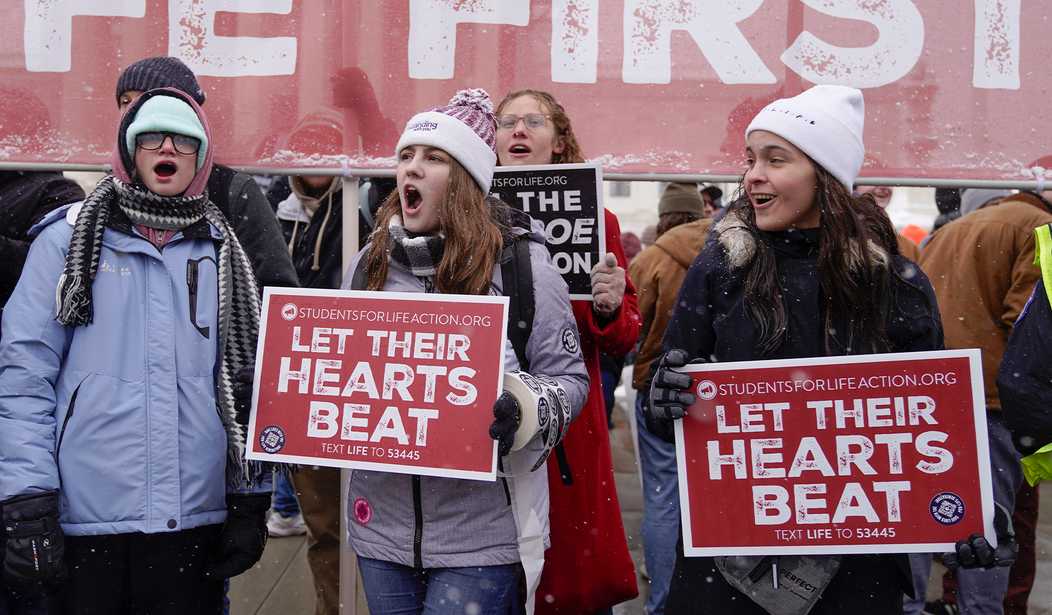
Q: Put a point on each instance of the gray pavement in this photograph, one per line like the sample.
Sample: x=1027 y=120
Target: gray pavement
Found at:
x=281 y=584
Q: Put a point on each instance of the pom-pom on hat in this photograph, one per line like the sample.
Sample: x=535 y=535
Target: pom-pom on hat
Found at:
x=825 y=122
x=160 y=72
x=465 y=129
x=167 y=114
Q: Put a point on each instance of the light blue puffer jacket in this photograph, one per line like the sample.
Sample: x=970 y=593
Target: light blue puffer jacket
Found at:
x=118 y=415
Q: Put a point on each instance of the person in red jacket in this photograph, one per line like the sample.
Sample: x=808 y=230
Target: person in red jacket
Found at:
x=588 y=568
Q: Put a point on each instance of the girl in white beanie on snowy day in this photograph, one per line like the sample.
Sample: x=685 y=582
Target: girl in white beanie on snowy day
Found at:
x=445 y=545
x=799 y=267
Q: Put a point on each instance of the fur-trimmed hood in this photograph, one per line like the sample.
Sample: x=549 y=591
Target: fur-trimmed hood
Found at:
x=739 y=242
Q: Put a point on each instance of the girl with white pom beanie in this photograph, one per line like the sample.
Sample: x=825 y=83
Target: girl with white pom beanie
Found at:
x=798 y=267
x=447 y=545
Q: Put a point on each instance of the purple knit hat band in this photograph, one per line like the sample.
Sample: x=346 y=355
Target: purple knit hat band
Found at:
x=475 y=109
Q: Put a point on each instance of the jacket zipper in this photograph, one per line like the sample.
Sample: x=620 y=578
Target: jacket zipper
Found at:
x=418 y=534
x=65 y=421
x=418 y=509
x=146 y=405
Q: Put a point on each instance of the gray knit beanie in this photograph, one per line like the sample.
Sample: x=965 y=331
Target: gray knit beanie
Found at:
x=160 y=72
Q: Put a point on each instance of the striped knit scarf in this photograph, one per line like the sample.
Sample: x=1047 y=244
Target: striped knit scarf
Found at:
x=238 y=295
x=420 y=253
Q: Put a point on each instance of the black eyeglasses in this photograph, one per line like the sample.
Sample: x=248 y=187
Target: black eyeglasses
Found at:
x=154 y=140
x=533 y=121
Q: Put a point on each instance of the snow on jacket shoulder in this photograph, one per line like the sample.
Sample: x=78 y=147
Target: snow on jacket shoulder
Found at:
x=120 y=414
x=466 y=522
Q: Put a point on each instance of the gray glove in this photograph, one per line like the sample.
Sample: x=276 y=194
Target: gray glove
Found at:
x=669 y=394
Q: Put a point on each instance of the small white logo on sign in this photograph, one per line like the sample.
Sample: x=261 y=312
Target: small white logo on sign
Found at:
x=289 y=311
x=706 y=389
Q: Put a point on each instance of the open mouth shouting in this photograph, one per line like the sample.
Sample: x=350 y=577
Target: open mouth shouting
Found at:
x=520 y=149
x=165 y=169
x=411 y=200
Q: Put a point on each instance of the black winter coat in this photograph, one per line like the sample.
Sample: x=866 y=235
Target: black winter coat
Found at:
x=1024 y=382
x=242 y=202
x=319 y=264
x=25 y=197
x=710 y=322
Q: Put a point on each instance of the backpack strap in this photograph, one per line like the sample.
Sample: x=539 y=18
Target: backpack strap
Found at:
x=517 y=274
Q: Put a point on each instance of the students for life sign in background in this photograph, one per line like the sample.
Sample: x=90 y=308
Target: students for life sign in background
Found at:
x=865 y=454
x=399 y=383
x=634 y=74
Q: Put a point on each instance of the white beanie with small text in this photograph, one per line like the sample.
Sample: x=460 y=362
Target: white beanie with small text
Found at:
x=825 y=122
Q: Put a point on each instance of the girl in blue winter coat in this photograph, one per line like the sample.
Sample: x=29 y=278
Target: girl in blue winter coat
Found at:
x=798 y=267
x=122 y=417
x=442 y=545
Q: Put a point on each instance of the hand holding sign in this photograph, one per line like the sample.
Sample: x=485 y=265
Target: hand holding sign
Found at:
x=608 y=285
x=506 y=417
x=977 y=552
x=669 y=394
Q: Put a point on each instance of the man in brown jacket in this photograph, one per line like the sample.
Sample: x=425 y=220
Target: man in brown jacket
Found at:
x=982 y=269
x=658 y=272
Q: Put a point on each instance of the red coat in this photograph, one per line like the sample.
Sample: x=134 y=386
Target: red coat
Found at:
x=588 y=566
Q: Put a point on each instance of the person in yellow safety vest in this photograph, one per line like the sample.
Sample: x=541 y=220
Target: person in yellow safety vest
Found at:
x=1025 y=378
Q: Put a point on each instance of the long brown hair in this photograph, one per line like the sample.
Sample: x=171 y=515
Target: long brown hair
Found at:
x=855 y=247
x=472 y=238
x=563 y=129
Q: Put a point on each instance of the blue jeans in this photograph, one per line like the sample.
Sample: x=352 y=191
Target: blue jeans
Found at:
x=657 y=461
x=394 y=589
x=284 y=501
x=979 y=592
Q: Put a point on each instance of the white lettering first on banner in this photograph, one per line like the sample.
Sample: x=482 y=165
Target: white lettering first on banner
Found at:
x=713 y=26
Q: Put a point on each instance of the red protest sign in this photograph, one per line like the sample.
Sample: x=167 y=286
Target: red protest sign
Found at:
x=867 y=454
x=397 y=382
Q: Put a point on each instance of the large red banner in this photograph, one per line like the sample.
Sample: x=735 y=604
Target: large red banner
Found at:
x=872 y=454
x=953 y=89
x=398 y=382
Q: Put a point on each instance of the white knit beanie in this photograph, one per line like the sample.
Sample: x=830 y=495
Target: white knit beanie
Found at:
x=465 y=129
x=825 y=122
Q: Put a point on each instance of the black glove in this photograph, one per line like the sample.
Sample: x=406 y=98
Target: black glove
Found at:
x=244 y=535
x=669 y=394
x=976 y=552
x=243 y=393
x=506 y=418
x=35 y=548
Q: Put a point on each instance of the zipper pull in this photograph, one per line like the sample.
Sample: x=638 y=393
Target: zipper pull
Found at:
x=774 y=573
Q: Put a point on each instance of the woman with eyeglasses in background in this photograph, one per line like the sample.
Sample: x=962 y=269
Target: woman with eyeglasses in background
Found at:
x=588 y=568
